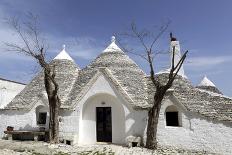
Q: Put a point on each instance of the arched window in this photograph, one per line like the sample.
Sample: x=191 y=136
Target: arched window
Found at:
x=172 y=116
x=41 y=115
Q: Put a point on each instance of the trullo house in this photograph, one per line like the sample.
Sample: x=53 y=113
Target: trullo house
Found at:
x=107 y=101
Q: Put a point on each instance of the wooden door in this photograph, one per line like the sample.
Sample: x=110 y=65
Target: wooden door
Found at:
x=104 y=124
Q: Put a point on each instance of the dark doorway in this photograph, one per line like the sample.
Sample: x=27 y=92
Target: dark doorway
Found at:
x=172 y=119
x=104 y=124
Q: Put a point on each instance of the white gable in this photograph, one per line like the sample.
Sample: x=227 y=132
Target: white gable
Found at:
x=8 y=90
x=101 y=85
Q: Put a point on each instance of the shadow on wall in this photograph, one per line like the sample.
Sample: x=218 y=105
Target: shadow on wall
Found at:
x=138 y=128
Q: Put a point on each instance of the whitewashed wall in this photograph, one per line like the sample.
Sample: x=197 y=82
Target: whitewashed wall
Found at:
x=125 y=120
x=8 y=90
x=20 y=120
x=195 y=133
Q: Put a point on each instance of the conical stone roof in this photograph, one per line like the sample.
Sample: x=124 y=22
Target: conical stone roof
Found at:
x=206 y=82
x=126 y=72
x=66 y=73
x=208 y=85
x=63 y=55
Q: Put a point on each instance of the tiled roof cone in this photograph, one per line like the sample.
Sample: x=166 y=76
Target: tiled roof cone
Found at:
x=66 y=72
x=63 y=55
x=208 y=85
x=129 y=77
x=177 y=55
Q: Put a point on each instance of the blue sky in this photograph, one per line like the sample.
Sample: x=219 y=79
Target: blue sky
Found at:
x=85 y=26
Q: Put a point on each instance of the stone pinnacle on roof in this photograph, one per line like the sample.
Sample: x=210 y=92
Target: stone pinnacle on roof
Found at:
x=208 y=85
x=113 y=47
x=175 y=43
x=63 y=55
x=177 y=56
x=206 y=82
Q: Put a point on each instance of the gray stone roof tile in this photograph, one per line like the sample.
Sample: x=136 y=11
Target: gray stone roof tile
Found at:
x=129 y=80
x=66 y=73
x=207 y=103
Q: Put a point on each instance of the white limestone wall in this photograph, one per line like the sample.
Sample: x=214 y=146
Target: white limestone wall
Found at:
x=196 y=132
x=81 y=123
x=125 y=120
x=20 y=120
x=8 y=90
x=88 y=129
x=130 y=120
x=69 y=125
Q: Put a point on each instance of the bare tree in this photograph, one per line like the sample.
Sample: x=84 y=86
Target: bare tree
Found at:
x=34 y=46
x=148 y=40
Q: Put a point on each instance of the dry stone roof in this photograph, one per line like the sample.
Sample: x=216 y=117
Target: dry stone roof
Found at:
x=213 y=105
x=130 y=82
x=127 y=77
x=66 y=73
x=208 y=85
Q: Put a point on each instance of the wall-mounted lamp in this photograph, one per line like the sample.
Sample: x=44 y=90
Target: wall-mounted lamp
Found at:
x=103 y=103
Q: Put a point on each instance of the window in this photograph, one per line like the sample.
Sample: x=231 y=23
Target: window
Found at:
x=42 y=118
x=41 y=115
x=172 y=119
x=172 y=116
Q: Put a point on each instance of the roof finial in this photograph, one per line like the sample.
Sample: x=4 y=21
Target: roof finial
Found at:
x=113 y=39
x=63 y=47
x=172 y=38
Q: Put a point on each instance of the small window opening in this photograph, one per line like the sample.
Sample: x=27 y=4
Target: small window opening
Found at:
x=68 y=142
x=172 y=116
x=134 y=144
x=172 y=119
x=42 y=118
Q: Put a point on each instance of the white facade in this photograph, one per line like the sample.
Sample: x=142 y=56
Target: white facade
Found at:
x=21 y=120
x=8 y=90
x=195 y=131
x=80 y=123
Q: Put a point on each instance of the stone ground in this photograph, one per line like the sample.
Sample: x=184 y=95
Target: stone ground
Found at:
x=41 y=148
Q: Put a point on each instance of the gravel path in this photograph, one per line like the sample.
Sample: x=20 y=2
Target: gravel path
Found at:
x=41 y=148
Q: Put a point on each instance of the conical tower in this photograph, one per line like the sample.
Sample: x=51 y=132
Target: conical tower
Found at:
x=66 y=73
x=123 y=69
x=208 y=85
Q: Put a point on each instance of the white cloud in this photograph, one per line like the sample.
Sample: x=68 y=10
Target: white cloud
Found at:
x=78 y=47
x=207 y=61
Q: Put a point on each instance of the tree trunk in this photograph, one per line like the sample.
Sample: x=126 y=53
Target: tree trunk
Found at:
x=153 y=118
x=53 y=120
x=54 y=106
